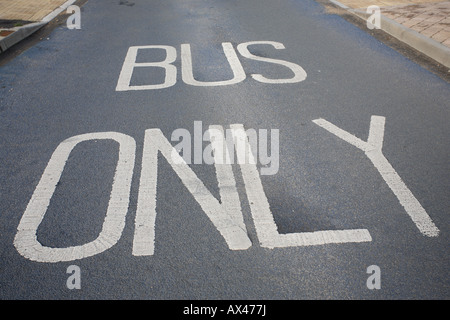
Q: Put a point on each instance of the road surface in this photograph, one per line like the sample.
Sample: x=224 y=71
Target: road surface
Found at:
x=348 y=196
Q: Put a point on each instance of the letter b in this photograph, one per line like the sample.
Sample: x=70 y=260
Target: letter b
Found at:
x=123 y=84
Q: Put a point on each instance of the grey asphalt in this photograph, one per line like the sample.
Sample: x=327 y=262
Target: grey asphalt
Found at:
x=65 y=86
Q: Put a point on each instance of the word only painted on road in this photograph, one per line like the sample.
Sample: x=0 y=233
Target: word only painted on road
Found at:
x=187 y=74
x=225 y=214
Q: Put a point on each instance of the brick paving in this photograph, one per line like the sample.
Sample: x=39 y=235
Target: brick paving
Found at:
x=430 y=18
x=27 y=10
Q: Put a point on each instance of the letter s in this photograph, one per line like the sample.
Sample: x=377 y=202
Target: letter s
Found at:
x=299 y=73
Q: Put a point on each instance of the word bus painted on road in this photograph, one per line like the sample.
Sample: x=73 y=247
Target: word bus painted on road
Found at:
x=170 y=78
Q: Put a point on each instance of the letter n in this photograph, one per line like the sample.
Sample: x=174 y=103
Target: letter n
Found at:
x=225 y=215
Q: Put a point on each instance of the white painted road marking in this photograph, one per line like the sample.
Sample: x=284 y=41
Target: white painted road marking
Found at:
x=226 y=216
x=373 y=150
x=123 y=84
x=262 y=216
x=187 y=74
x=299 y=73
x=233 y=60
x=26 y=241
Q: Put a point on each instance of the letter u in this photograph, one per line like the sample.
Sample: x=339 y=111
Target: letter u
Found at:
x=233 y=60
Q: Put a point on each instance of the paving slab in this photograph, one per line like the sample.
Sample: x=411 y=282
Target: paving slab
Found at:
x=422 y=24
x=21 y=18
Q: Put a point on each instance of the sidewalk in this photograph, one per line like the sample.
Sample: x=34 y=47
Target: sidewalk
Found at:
x=422 y=24
x=428 y=17
x=21 y=18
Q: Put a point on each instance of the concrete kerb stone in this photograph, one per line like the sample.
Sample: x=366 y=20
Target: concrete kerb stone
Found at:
x=25 y=31
x=19 y=34
x=423 y=44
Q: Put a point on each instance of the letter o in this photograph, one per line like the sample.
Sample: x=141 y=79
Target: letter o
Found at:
x=26 y=241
